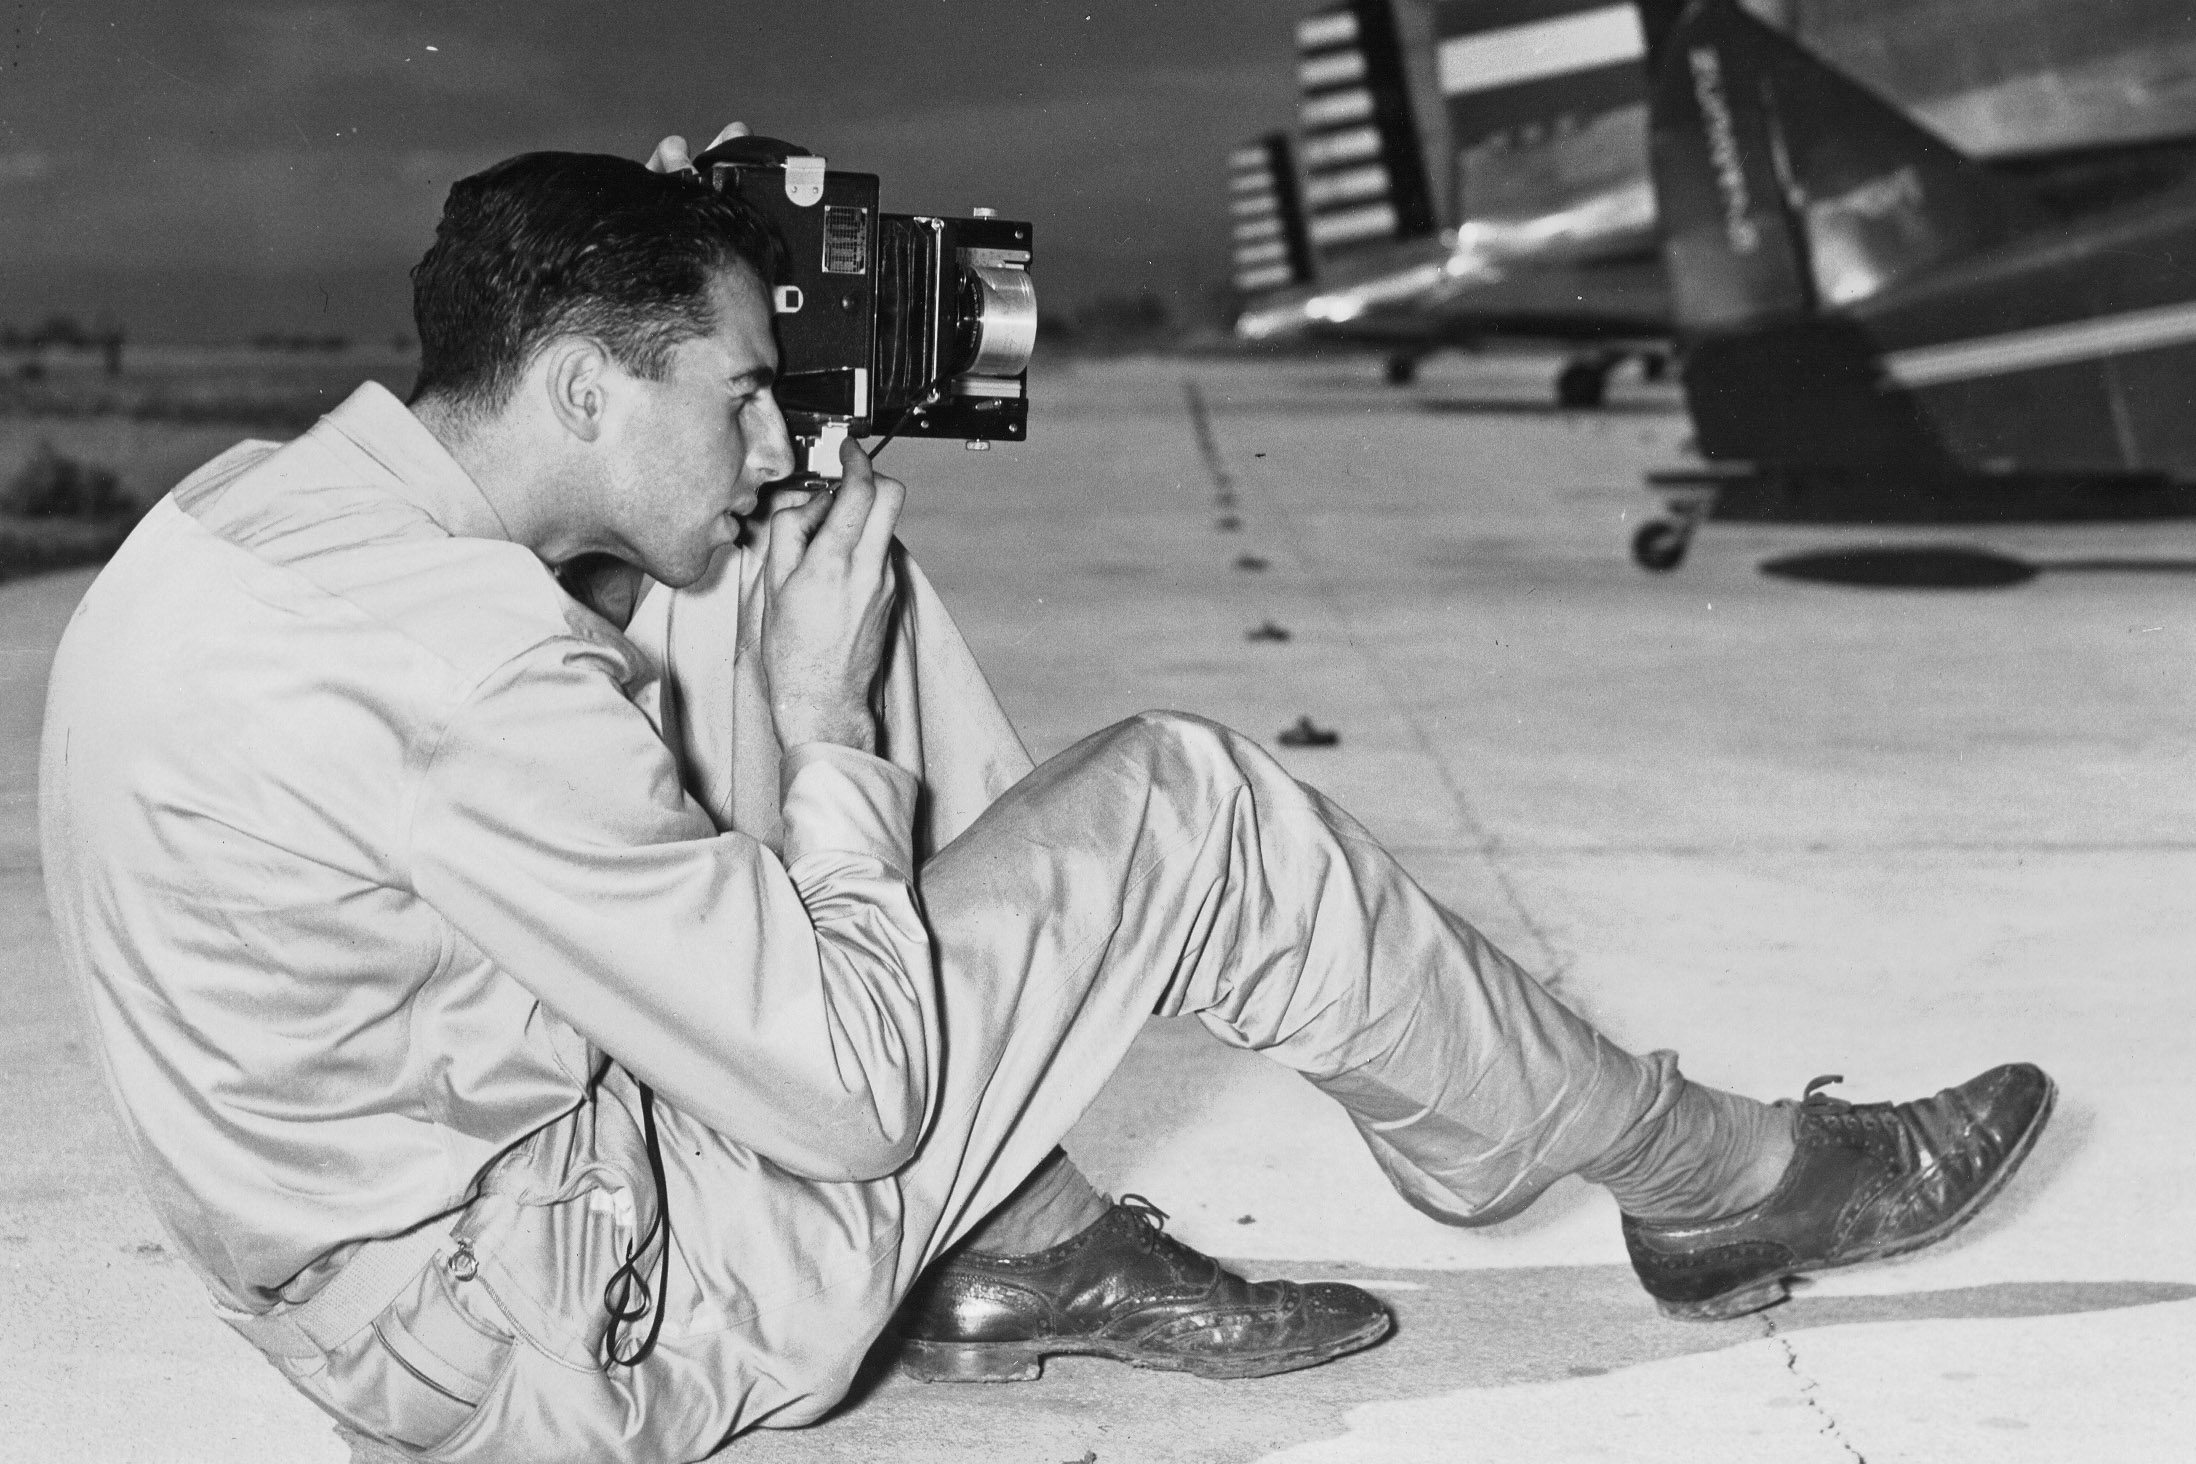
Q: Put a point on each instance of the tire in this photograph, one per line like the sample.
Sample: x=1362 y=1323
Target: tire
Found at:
x=1582 y=385
x=1660 y=545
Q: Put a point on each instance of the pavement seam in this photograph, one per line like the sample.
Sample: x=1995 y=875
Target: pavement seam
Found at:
x=1810 y=1391
x=1552 y=966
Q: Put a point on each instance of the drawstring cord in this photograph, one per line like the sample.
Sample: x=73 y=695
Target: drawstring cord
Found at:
x=627 y=1296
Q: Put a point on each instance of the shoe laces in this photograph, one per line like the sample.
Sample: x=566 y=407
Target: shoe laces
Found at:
x=1151 y=1220
x=1877 y=1126
x=1151 y=1236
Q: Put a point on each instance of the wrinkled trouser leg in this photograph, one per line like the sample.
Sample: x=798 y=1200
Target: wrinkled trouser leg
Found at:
x=1164 y=865
x=1179 y=868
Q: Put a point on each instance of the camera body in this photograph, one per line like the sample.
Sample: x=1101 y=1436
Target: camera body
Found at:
x=894 y=324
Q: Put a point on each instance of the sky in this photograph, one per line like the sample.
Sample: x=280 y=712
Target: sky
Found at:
x=199 y=170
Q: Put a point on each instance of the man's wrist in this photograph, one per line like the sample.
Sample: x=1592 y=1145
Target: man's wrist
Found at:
x=857 y=730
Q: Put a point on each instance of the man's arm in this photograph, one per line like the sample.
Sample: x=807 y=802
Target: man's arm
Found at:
x=832 y=589
x=791 y=1006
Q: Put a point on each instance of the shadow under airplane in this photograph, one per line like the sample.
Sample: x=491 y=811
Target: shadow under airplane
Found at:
x=1949 y=567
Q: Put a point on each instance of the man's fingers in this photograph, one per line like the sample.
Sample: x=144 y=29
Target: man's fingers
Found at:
x=881 y=511
x=853 y=523
x=670 y=156
x=791 y=528
x=807 y=517
x=849 y=508
x=884 y=518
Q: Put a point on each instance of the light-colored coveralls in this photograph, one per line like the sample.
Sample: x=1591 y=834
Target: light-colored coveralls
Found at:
x=386 y=869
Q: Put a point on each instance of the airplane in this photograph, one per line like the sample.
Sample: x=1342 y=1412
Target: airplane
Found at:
x=1535 y=111
x=1877 y=328
x=1338 y=237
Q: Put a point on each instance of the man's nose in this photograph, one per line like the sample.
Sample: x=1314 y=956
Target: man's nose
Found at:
x=770 y=454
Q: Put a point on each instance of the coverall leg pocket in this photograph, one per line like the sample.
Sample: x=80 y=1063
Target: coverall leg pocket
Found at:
x=416 y=1376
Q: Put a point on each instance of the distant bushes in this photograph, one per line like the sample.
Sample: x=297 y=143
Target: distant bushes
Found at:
x=277 y=409
x=53 y=486
x=56 y=512
x=64 y=332
x=327 y=345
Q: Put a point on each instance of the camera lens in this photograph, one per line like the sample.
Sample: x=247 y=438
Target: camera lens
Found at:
x=996 y=320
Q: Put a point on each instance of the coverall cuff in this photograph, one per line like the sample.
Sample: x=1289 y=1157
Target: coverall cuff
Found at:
x=839 y=800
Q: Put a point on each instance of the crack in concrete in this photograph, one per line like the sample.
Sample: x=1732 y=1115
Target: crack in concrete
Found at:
x=1552 y=966
x=1765 y=848
x=1810 y=1391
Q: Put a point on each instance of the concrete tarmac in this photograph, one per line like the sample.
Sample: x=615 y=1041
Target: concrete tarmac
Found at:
x=1787 y=827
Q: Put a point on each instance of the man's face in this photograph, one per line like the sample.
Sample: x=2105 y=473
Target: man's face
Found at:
x=692 y=452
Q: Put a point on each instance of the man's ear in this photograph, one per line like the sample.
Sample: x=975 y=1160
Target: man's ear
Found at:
x=576 y=374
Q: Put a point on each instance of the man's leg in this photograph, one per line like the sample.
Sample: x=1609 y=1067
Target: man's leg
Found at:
x=1175 y=867
x=1179 y=868
x=1168 y=866
x=1055 y=1204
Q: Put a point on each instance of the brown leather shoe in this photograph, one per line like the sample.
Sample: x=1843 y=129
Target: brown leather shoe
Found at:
x=1124 y=1289
x=1869 y=1180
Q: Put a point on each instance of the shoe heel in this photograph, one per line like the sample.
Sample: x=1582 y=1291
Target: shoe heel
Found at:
x=970 y=1362
x=1757 y=1297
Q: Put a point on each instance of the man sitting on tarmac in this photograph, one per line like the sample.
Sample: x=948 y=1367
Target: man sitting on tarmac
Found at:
x=569 y=1024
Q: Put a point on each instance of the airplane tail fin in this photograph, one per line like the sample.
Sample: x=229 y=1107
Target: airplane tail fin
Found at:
x=1363 y=164
x=1267 y=217
x=1545 y=102
x=1785 y=187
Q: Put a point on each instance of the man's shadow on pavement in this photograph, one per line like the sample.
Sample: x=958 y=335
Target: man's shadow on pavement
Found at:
x=1455 y=1330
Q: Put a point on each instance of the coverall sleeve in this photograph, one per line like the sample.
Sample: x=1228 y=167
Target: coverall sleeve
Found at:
x=788 y=1004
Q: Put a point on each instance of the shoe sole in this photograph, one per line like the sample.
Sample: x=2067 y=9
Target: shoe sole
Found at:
x=1022 y=1362
x=1769 y=1290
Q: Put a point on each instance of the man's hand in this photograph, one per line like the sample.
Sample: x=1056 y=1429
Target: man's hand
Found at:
x=832 y=588
x=670 y=155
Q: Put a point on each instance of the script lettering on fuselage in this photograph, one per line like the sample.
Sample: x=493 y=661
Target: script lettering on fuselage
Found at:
x=1723 y=149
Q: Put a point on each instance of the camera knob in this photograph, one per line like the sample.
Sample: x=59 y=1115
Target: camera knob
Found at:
x=984 y=213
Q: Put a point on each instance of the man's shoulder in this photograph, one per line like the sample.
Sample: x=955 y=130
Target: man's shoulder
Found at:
x=305 y=533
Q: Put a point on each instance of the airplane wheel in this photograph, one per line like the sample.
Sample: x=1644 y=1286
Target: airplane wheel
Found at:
x=1402 y=370
x=1582 y=385
x=1660 y=545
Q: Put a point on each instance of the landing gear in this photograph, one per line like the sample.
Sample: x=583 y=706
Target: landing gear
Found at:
x=1583 y=383
x=1402 y=369
x=1660 y=544
x=1688 y=497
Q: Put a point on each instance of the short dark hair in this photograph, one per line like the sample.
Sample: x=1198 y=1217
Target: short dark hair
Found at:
x=548 y=244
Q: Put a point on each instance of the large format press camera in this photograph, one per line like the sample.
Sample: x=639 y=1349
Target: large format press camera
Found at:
x=888 y=324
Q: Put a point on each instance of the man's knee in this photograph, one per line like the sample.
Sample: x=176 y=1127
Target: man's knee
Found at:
x=1182 y=743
